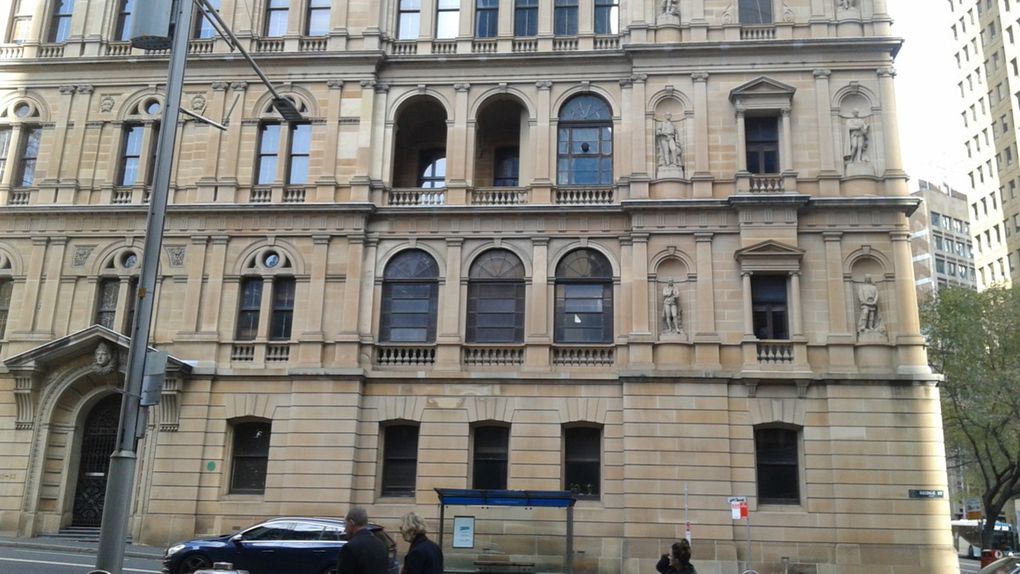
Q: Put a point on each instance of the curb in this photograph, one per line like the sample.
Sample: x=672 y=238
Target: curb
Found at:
x=152 y=554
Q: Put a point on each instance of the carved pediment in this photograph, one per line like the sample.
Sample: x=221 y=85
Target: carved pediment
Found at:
x=95 y=351
x=769 y=256
x=763 y=93
x=61 y=351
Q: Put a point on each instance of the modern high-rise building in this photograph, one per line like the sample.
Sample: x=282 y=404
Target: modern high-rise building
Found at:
x=987 y=33
x=941 y=241
x=653 y=254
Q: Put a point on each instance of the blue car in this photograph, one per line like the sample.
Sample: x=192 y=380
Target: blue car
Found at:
x=293 y=545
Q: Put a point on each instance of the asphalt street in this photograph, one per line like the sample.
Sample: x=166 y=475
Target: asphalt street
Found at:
x=35 y=561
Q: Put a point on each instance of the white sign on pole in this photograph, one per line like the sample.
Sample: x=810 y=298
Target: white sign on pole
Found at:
x=738 y=507
x=463 y=531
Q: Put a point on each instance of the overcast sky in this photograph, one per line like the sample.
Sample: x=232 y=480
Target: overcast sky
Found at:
x=926 y=93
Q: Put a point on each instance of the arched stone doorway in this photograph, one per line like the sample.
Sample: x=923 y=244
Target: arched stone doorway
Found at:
x=99 y=439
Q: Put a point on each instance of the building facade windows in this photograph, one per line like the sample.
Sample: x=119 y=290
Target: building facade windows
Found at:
x=585 y=142
x=5 y=146
x=769 y=307
x=762 y=136
x=399 y=460
x=508 y=166
x=607 y=16
x=266 y=270
x=432 y=169
x=565 y=17
x=27 y=157
x=409 y=20
x=124 y=17
x=250 y=457
x=584 y=299
x=204 y=29
x=269 y=153
x=486 y=18
x=495 y=305
x=277 y=12
x=447 y=19
x=21 y=22
x=490 y=461
x=317 y=19
x=106 y=307
x=131 y=157
x=525 y=17
x=296 y=140
x=755 y=12
x=6 y=289
x=410 y=297
x=582 y=461
x=60 y=24
x=777 y=463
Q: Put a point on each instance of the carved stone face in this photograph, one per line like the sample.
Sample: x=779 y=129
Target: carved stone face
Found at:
x=103 y=356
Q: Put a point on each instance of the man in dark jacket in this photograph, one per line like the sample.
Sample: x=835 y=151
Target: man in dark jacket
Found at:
x=363 y=553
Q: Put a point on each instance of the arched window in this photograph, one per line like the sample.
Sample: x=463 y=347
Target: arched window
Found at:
x=585 y=142
x=118 y=282
x=267 y=271
x=410 y=298
x=495 y=306
x=584 y=298
x=250 y=457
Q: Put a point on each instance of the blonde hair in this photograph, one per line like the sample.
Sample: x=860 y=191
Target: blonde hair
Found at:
x=412 y=525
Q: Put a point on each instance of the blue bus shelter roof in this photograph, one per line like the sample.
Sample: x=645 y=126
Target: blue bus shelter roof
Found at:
x=480 y=497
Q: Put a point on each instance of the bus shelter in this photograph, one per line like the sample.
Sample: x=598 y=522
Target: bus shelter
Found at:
x=513 y=498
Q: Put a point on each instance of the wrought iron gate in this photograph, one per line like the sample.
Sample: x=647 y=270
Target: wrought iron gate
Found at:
x=99 y=439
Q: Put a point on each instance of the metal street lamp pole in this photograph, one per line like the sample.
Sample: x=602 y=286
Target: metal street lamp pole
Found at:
x=119 y=488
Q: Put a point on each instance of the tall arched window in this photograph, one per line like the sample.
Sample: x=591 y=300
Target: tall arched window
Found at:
x=495 y=306
x=268 y=271
x=410 y=297
x=584 y=298
x=585 y=142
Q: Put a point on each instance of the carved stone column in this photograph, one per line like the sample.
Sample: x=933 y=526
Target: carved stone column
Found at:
x=911 y=357
x=230 y=154
x=33 y=279
x=449 y=339
x=706 y=351
x=745 y=289
x=639 y=291
x=380 y=159
x=61 y=139
x=538 y=318
x=195 y=264
x=702 y=168
x=214 y=287
x=368 y=281
x=216 y=108
x=638 y=135
x=316 y=288
x=543 y=145
x=896 y=179
x=457 y=148
x=796 y=307
x=326 y=184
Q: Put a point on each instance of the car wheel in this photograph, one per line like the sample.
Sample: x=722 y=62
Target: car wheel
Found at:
x=192 y=563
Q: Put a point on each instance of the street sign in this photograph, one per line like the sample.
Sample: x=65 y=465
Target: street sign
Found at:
x=922 y=493
x=738 y=507
x=973 y=509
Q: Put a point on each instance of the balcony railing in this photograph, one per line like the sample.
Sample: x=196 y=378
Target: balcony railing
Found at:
x=242 y=353
x=483 y=46
x=11 y=52
x=444 y=47
x=416 y=197
x=277 y=353
x=51 y=51
x=405 y=356
x=270 y=45
x=565 y=44
x=118 y=49
x=122 y=196
x=201 y=46
x=19 y=197
x=315 y=44
x=584 y=195
x=405 y=48
x=525 y=45
x=584 y=356
x=607 y=42
x=775 y=352
x=767 y=32
x=293 y=195
x=499 y=196
x=261 y=195
x=766 y=184
x=493 y=356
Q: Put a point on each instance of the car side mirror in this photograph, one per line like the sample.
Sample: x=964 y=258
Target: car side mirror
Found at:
x=237 y=538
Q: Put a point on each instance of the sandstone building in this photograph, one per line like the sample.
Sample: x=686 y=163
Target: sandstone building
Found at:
x=628 y=249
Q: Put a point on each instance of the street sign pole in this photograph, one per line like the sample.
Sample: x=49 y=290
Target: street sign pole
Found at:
x=120 y=485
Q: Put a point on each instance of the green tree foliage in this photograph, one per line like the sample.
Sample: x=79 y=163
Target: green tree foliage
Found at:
x=974 y=342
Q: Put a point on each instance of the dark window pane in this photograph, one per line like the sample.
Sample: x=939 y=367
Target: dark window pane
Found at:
x=490 y=457
x=318 y=18
x=106 y=308
x=582 y=461
x=203 y=26
x=249 y=309
x=29 y=156
x=526 y=18
x=400 y=460
x=283 y=309
x=776 y=458
x=607 y=16
x=269 y=150
x=565 y=18
x=250 y=457
x=124 y=17
x=755 y=11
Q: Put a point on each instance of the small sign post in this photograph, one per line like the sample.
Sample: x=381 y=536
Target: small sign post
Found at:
x=738 y=510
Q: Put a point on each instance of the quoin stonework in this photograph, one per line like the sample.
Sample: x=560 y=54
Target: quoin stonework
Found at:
x=624 y=249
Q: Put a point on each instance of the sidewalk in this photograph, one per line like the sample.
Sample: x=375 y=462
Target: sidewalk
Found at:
x=80 y=546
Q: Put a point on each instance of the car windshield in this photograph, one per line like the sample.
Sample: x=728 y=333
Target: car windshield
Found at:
x=1007 y=566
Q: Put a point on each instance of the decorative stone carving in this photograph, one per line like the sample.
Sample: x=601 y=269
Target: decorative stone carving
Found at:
x=169 y=405
x=198 y=103
x=67 y=89
x=672 y=315
x=106 y=104
x=84 y=88
x=869 y=320
x=858 y=138
x=727 y=15
x=668 y=145
x=670 y=8
x=847 y=4
x=220 y=86
x=175 y=255
x=81 y=255
x=24 y=399
x=239 y=86
x=106 y=360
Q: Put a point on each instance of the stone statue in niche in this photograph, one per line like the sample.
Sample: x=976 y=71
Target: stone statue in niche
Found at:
x=847 y=4
x=105 y=360
x=672 y=316
x=858 y=138
x=869 y=320
x=669 y=150
x=670 y=8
